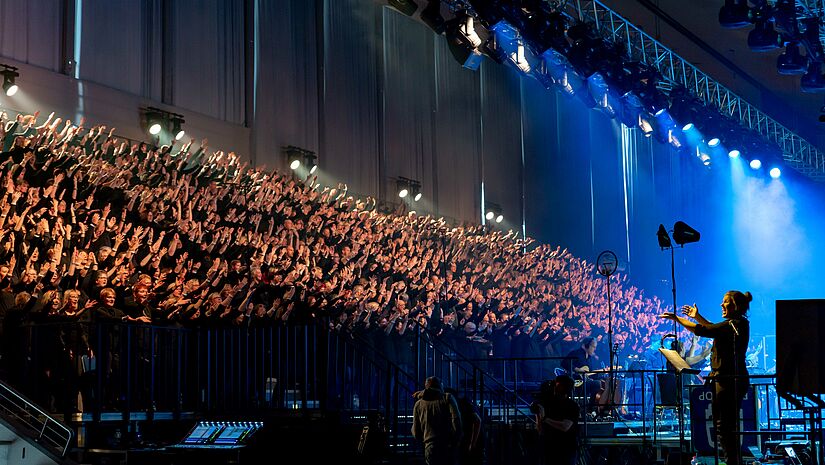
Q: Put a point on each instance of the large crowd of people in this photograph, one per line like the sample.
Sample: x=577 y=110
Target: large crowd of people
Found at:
x=95 y=228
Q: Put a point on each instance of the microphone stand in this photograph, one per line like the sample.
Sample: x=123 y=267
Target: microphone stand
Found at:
x=607 y=263
x=611 y=377
x=673 y=282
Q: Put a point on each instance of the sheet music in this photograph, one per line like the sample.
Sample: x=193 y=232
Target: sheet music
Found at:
x=678 y=362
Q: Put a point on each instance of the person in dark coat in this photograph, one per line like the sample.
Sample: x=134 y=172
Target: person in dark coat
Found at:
x=437 y=423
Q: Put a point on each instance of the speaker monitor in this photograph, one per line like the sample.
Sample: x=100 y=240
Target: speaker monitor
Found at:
x=800 y=352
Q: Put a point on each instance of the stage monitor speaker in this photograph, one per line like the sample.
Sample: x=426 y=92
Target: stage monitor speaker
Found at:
x=800 y=350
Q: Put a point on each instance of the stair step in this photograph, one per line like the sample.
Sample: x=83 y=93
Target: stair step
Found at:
x=794 y=421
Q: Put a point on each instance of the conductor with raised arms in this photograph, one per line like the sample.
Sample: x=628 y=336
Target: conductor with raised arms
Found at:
x=729 y=370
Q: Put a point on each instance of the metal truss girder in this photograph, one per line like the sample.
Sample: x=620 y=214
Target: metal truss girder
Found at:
x=640 y=46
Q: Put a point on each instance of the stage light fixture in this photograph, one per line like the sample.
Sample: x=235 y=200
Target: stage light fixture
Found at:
x=407 y=187
x=603 y=96
x=415 y=190
x=154 y=120
x=674 y=139
x=296 y=157
x=467 y=31
x=734 y=153
x=763 y=37
x=756 y=164
x=775 y=173
x=9 y=75
x=734 y=14
x=714 y=142
x=631 y=107
x=519 y=58
x=665 y=128
x=494 y=212
x=177 y=127
x=687 y=127
x=157 y=120
x=703 y=154
x=294 y=160
x=463 y=41
x=644 y=125
x=791 y=62
x=310 y=161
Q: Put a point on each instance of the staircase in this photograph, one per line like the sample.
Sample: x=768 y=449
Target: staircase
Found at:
x=29 y=435
x=373 y=382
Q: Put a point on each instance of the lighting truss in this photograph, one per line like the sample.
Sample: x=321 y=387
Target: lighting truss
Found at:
x=640 y=46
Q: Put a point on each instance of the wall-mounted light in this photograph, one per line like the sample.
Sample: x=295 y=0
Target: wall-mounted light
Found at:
x=298 y=157
x=9 y=75
x=407 y=187
x=494 y=213
x=157 y=120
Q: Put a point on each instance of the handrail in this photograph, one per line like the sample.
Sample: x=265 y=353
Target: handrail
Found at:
x=463 y=358
x=40 y=423
x=455 y=354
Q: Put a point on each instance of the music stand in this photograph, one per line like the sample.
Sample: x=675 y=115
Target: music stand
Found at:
x=682 y=368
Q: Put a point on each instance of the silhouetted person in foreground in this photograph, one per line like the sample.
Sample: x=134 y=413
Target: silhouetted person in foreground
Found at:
x=557 y=419
x=437 y=423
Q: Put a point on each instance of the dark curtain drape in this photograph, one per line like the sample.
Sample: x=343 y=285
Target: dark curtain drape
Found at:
x=286 y=108
x=500 y=121
x=456 y=158
x=112 y=50
x=30 y=32
x=207 y=62
x=194 y=50
x=409 y=103
x=351 y=104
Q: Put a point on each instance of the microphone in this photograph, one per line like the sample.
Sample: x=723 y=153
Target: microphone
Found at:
x=735 y=331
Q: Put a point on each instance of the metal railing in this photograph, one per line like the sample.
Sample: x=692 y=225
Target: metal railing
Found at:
x=639 y=45
x=405 y=368
x=37 y=424
x=125 y=368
